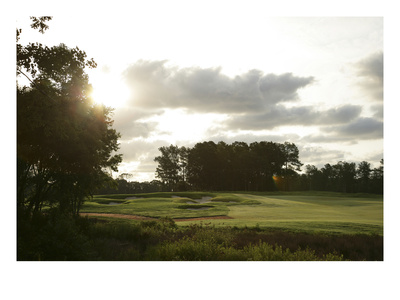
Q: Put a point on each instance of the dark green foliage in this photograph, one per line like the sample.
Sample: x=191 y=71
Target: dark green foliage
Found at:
x=346 y=177
x=172 y=167
x=238 y=166
x=53 y=236
x=65 y=142
x=352 y=247
x=259 y=166
x=123 y=186
x=56 y=237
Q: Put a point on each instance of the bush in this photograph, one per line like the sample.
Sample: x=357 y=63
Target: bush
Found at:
x=53 y=237
x=188 y=249
x=58 y=237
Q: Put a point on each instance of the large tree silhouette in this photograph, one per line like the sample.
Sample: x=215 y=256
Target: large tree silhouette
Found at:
x=65 y=142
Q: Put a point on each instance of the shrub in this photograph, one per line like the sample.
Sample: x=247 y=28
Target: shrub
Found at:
x=53 y=237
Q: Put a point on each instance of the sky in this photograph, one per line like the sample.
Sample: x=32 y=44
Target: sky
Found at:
x=195 y=74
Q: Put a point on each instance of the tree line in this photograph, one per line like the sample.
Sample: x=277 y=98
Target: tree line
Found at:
x=221 y=166
x=123 y=186
x=346 y=177
x=258 y=166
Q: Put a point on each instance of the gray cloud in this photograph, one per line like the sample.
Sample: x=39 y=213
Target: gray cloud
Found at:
x=157 y=85
x=128 y=122
x=302 y=115
x=378 y=111
x=362 y=128
x=319 y=156
x=328 y=138
x=141 y=149
x=370 y=71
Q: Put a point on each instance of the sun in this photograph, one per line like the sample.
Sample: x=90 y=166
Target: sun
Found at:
x=110 y=90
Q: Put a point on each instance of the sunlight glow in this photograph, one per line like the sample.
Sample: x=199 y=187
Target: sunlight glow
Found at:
x=177 y=125
x=110 y=91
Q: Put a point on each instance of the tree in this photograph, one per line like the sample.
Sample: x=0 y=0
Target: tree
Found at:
x=364 y=176
x=328 y=178
x=377 y=179
x=346 y=173
x=313 y=175
x=172 y=165
x=203 y=166
x=241 y=166
x=291 y=163
x=65 y=142
x=267 y=160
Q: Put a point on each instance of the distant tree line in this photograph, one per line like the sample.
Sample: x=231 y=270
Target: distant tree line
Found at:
x=228 y=167
x=123 y=186
x=346 y=177
x=259 y=166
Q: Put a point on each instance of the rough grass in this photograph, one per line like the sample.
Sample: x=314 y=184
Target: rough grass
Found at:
x=164 y=240
x=56 y=237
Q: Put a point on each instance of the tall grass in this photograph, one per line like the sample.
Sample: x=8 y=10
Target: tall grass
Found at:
x=163 y=240
x=55 y=237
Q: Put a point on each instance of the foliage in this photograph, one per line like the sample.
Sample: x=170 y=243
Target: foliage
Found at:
x=122 y=186
x=65 y=142
x=172 y=167
x=259 y=166
x=238 y=166
x=108 y=239
x=53 y=236
x=346 y=177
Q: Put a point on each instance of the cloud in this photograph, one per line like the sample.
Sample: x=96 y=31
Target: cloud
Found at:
x=319 y=156
x=370 y=72
x=157 y=85
x=141 y=149
x=362 y=128
x=240 y=108
x=300 y=115
x=378 y=111
x=357 y=130
x=128 y=121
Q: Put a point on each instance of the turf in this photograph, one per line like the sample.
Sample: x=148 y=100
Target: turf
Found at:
x=297 y=212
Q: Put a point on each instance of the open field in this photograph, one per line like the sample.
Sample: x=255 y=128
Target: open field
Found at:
x=312 y=212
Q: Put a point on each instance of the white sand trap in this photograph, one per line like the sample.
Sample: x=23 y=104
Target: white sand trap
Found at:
x=203 y=199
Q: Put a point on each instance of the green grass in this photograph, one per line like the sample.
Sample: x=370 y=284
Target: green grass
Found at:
x=155 y=205
x=324 y=212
